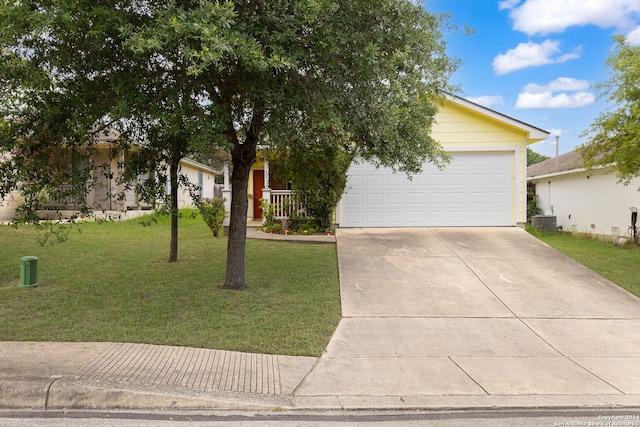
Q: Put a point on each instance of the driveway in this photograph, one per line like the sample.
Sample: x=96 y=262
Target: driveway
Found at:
x=474 y=317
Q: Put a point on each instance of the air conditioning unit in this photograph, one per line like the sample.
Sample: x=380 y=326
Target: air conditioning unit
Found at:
x=544 y=222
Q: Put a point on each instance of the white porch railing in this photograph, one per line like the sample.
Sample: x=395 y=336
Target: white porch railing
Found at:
x=284 y=203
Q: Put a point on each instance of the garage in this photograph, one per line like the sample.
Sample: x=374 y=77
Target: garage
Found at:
x=475 y=189
x=484 y=185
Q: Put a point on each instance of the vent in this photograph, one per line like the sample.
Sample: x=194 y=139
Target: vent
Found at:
x=544 y=222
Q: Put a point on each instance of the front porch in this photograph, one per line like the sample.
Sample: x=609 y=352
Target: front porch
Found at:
x=262 y=186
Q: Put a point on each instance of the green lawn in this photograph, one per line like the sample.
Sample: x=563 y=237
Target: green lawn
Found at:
x=618 y=264
x=111 y=282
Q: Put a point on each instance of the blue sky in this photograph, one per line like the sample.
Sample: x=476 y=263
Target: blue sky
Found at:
x=536 y=60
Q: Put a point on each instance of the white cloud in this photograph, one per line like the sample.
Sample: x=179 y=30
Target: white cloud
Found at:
x=633 y=37
x=530 y=55
x=487 y=100
x=549 y=100
x=507 y=4
x=555 y=16
x=555 y=94
x=558 y=85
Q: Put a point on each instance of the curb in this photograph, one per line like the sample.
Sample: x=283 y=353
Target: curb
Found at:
x=70 y=394
x=67 y=394
x=25 y=393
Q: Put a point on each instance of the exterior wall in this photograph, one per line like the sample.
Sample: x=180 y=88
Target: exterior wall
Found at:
x=192 y=171
x=589 y=201
x=8 y=206
x=103 y=163
x=460 y=129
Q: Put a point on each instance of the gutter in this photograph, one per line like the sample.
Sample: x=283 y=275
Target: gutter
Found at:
x=566 y=172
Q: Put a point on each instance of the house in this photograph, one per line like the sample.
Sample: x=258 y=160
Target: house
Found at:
x=583 y=200
x=484 y=185
x=104 y=190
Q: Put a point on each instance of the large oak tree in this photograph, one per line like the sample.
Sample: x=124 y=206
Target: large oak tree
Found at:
x=366 y=74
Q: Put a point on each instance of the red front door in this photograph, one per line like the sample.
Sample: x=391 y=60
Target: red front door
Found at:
x=258 y=185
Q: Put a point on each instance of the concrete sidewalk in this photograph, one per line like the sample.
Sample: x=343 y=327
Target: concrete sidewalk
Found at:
x=140 y=376
x=254 y=233
x=432 y=318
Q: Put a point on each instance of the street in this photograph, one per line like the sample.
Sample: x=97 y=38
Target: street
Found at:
x=312 y=419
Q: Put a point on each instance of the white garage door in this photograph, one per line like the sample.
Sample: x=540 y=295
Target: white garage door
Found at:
x=475 y=189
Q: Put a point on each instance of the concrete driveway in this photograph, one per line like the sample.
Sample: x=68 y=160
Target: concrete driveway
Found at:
x=474 y=317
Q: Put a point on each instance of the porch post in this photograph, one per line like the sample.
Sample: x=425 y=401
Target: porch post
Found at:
x=266 y=173
x=117 y=203
x=226 y=193
x=266 y=191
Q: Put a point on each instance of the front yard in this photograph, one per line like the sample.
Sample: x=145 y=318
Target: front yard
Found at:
x=111 y=282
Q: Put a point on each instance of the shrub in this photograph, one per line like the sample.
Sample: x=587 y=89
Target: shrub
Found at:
x=268 y=212
x=308 y=226
x=318 y=173
x=272 y=228
x=212 y=210
x=532 y=206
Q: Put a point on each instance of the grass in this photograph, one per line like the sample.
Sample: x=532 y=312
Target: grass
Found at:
x=112 y=282
x=618 y=264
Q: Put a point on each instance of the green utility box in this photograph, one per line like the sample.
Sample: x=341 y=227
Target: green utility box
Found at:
x=28 y=272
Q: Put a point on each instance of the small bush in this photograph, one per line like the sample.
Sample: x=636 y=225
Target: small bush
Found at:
x=272 y=228
x=212 y=210
x=268 y=212
x=306 y=227
x=532 y=206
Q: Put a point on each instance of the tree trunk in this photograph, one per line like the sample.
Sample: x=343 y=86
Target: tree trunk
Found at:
x=173 y=178
x=243 y=157
x=238 y=226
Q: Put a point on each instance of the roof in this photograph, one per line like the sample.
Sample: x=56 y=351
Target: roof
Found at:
x=534 y=134
x=563 y=163
x=110 y=136
x=197 y=165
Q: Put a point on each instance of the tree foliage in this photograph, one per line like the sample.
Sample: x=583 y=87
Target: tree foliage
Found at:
x=70 y=79
x=317 y=172
x=614 y=136
x=534 y=157
x=290 y=74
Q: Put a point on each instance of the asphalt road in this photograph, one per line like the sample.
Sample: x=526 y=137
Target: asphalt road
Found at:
x=312 y=419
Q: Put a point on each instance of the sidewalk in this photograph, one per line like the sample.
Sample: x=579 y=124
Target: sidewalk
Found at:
x=432 y=319
x=139 y=376
x=254 y=233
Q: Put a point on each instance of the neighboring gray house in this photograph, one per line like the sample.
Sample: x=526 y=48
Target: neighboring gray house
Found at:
x=583 y=200
x=105 y=184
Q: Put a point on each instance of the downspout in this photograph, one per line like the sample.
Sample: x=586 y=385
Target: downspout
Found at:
x=549 y=211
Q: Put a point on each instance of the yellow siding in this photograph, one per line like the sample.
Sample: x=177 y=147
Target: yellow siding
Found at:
x=455 y=125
